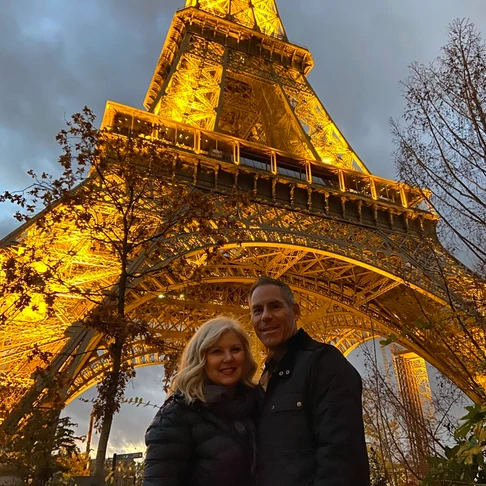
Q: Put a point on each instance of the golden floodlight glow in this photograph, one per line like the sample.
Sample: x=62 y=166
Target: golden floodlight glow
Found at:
x=255 y=14
x=247 y=80
x=231 y=111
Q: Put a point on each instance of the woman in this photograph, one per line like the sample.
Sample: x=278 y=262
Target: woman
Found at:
x=204 y=434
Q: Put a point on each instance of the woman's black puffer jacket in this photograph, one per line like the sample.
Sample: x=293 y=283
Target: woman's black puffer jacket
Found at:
x=201 y=444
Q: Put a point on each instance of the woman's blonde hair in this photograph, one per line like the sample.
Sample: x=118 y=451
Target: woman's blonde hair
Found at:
x=189 y=380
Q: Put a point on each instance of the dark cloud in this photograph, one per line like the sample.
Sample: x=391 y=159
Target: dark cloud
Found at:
x=129 y=425
x=58 y=56
x=361 y=52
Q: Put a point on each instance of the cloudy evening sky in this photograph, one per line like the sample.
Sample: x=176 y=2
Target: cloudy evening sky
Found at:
x=58 y=55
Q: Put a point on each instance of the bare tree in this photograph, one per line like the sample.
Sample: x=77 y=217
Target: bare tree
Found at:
x=442 y=139
x=441 y=142
x=387 y=418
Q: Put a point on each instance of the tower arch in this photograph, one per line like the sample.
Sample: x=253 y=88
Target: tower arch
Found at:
x=231 y=105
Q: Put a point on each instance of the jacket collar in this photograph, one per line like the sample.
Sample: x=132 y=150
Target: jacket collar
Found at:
x=286 y=362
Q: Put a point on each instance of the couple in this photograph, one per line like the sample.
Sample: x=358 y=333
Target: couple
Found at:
x=301 y=426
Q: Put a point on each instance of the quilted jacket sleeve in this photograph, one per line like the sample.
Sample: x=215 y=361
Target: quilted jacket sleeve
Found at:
x=342 y=459
x=169 y=448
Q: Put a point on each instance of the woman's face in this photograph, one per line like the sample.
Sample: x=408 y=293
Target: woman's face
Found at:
x=225 y=360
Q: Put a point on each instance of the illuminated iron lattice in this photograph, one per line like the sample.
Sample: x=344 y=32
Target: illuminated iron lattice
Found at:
x=230 y=99
x=414 y=387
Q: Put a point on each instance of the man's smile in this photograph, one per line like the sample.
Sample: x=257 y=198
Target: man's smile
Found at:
x=268 y=330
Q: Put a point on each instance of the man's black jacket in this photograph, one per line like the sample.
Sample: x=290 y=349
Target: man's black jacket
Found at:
x=311 y=428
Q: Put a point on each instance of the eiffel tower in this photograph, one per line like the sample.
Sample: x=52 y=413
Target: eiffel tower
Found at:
x=230 y=97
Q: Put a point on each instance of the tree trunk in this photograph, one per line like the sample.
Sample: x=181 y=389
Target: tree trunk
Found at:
x=44 y=469
x=110 y=404
x=107 y=420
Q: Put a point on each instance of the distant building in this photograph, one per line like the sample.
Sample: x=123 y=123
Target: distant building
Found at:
x=9 y=476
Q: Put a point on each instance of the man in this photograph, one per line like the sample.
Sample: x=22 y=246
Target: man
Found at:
x=311 y=427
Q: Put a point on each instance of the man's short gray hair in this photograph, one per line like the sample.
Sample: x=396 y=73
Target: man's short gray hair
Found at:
x=287 y=293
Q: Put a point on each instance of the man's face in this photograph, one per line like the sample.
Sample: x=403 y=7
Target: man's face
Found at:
x=273 y=318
